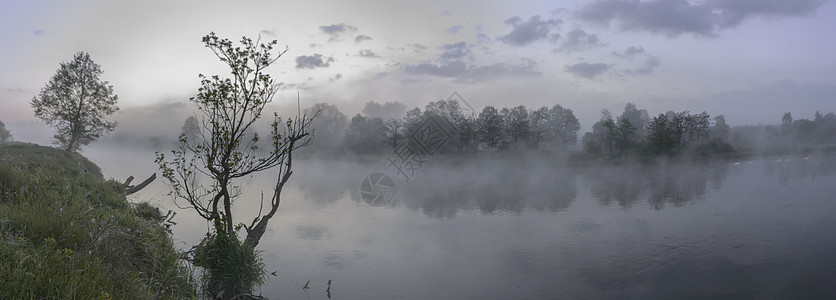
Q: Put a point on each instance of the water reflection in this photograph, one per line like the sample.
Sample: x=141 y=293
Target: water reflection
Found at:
x=660 y=184
x=800 y=167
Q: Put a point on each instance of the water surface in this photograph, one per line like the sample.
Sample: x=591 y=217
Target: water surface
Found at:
x=537 y=230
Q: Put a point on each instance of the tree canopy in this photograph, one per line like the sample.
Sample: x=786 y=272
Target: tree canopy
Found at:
x=76 y=102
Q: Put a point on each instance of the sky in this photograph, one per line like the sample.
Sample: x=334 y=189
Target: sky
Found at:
x=750 y=60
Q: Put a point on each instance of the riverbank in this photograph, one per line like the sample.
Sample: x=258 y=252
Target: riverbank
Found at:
x=65 y=232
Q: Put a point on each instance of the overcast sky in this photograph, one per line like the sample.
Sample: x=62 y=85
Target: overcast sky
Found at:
x=750 y=60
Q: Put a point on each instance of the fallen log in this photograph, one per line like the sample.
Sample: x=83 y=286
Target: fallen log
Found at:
x=130 y=189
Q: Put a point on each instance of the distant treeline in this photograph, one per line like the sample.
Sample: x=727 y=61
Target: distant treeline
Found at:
x=383 y=128
x=545 y=129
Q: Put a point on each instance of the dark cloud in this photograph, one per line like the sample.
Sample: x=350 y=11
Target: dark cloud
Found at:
x=463 y=73
x=336 y=77
x=313 y=61
x=296 y=86
x=650 y=64
x=457 y=51
x=578 y=40
x=630 y=52
x=12 y=90
x=676 y=17
x=633 y=50
x=587 y=70
x=735 y=12
x=525 y=33
x=336 y=30
x=418 y=47
x=38 y=32
x=361 y=38
x=455 y=29
x=668 y=17
x=367 y=53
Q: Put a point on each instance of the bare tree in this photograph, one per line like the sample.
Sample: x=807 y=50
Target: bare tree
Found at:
x=227 y=148
x=75 y=101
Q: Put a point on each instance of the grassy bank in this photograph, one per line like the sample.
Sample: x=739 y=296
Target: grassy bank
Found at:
x=67 y=233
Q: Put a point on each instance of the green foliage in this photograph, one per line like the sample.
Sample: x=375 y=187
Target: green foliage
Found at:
x=75 y=101
x=66 y=233
x=231 y=268
x=5 y=135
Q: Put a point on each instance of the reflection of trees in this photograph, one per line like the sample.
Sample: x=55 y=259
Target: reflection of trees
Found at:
x=797 y=167
x=669 y=184
x=490 y=189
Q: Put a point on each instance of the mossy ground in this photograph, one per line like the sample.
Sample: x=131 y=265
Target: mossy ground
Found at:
x=67 y=233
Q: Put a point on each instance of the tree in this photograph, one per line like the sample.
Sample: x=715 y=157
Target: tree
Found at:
x=75 y=101
x=539 y=124
x=563 y=127
x=489 y=127
x=660 y=135
x=5 y=135
x=191 y=130
x=517 y=125
x=637 y=117
x=228 y=150
x=329 y=125
x=393 y=132
x=719 y=130
x=365 y=135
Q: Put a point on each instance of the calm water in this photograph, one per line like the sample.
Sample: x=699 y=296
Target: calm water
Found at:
x=528 y=230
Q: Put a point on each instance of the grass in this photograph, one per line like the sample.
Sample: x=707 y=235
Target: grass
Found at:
x=65 y=232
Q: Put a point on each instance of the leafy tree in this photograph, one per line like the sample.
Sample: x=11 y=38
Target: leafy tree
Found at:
x=5 y=135
x=625 y=136
x=517 y=126
x=227 y=152
x=191 y=130
x=637 y=117
x=386 y=111
x=76 y=102
x=490 y=127
x=365 y=135
x=786 y=125
x=539 y=124
x=329 y=125
x=600 y=142
x=563 y=127
x=660 y=135
x=719 y=130
x=393 y=132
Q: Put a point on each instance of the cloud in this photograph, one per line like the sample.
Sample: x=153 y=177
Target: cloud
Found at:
x=463 y=73
x=667 y=17
x=587 y=70
x=735 y=12
x=457 y=51
x=313 y=61
x=578 y=40
x=418 y=47
x=647 y=68
x=361 y=38
x=38 y=32
x=673 y=18
x=367 y=53
x=455 y=29
x=648 y=64
x=336 y=30
x=294 y=86
x=533 y=30
x=336 y=77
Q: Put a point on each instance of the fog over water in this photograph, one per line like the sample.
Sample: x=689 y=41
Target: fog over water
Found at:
x=525 y=227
